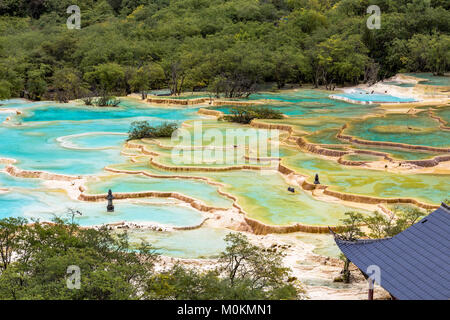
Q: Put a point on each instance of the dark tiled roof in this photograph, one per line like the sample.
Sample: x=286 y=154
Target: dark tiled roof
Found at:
x=414 y=264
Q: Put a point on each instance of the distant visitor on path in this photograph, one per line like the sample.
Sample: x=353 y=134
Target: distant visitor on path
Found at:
x=110 y=198
x=316 y=181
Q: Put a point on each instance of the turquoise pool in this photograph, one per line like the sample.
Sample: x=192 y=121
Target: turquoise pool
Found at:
x=309 y=104
x=138 y=183
x=73 y=139
x=430 y=80
x=43 y=204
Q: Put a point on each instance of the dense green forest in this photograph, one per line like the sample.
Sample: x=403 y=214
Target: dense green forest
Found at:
x=35 y=259
x=227 y=47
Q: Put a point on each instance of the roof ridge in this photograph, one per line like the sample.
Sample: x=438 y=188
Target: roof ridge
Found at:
x=404 y=258
x=361 y=241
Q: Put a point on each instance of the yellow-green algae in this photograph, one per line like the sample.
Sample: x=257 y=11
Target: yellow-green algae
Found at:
x=431 y=188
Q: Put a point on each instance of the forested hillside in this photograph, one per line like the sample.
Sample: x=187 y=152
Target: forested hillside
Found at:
x=225 y=46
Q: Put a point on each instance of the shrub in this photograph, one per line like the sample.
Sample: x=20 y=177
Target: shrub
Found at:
x=89 y=101
x=107 y=101
x=114 y=269
x=143 y=129
x=103 y=101
x=245 y=115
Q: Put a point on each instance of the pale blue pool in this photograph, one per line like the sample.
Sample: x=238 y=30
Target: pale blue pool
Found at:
x=184 y=244
x=366 y=96
x=35 y=139
x=45 y=204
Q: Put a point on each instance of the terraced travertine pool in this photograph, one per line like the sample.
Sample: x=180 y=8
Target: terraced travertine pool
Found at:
x=400 y=128
x=138 y=183
x=444 y=113
x=77 y=140
x=366 y=96
x=431 y=188
x=431 y=80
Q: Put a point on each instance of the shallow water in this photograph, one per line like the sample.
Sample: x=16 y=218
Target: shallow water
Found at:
x=43 y=204
x=361 y=157
x=431 y=188
x=138 y=183
x=269 y=200
x=264 y=196
x=183 y=244
x=366 y=96
x=92 y=141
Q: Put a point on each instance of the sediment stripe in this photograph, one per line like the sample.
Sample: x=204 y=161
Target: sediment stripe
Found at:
x=386 y=156
x=351 y=163
x=260 y=228
x=272 y=126
x=132 y=145
x=208 y=169
x=373 y=200
x=13 y=171
x=428 y=162
x=235 y=103
x=196 y=204
x=183 y=102
x=208 y=112
x=313 y=148
x=212 y=101
x=192 y=227
x=145 y=173
x=442 y=122
x=7 y=160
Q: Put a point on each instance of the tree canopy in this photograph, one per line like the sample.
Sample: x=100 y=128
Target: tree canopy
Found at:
x=228 y=47
x=35 y=259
